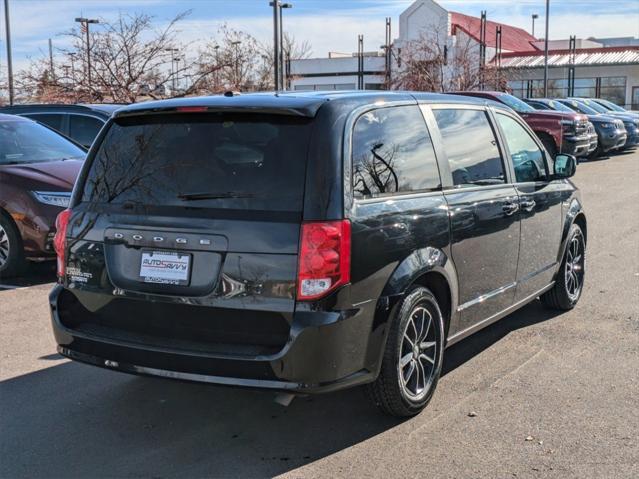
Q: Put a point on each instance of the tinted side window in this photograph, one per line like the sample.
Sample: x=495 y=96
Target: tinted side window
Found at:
x=84 y=129
x=393 y=152
x=471 y=147
x=53 y=120
x=527 y=157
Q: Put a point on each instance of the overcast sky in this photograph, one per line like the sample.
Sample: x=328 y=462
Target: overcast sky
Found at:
x=329 y=25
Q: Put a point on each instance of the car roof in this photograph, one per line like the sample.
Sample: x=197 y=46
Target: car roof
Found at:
x=105 y=107
x=297 y=103
x=103 y=110
x=5 y=117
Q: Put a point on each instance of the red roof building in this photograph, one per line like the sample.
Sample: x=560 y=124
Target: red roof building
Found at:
x=513 y=39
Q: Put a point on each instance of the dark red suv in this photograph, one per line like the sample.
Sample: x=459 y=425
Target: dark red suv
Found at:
x=38 y=168
x=560 y=132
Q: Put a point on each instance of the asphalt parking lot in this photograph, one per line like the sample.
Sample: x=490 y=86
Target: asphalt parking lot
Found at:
x=553 y=395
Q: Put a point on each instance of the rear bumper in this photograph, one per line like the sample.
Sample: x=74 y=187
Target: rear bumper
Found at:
x=576 y=145
x=326 y=351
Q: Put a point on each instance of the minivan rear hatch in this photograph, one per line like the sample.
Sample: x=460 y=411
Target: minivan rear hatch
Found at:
x=196 y=208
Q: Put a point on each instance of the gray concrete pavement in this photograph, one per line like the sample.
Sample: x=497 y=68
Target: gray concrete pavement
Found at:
x=569 y=383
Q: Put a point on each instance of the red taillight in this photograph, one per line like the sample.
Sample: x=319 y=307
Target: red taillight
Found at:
x=60 y=240
x=325 y=258
x=191 y=109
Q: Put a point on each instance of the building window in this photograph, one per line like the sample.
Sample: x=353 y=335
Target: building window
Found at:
x=609 y=88
x=613 y=89
x=325 y=86
x=374 y=86
x=586 y=87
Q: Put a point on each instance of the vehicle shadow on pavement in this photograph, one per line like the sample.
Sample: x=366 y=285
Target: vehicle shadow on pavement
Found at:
x=75 y=420
x=36 y=274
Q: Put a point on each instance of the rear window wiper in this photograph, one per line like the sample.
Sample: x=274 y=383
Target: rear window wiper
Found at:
x=213 y=196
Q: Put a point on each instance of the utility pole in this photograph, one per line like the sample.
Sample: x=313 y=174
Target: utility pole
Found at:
x=498 y=57
x=546 y=50
x=288 y=70
x=236 y=44
x=72 y=56
x=571 y=69
x=217 y=67
x=282 y=53
x=7 y=24
x=84 y=27
x=276 y=44
x=534 y=17
x=51 y=70
x=360 y=62
x=387 y=51
x=173 y=53
x=482 y=49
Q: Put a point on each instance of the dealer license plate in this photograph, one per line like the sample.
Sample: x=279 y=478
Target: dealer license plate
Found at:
x=165 y=267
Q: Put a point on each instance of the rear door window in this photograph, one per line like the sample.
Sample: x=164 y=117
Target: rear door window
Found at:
x=471 y=147
x=84 y=129
x=230 y=161
x=53 y=120
x=393 y=153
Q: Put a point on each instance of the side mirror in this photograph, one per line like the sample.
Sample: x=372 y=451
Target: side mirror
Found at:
x=565 y=166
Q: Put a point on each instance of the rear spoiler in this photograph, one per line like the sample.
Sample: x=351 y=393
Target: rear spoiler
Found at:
x=288 y=105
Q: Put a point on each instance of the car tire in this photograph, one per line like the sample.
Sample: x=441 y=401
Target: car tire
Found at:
x=12 y=261
x=570 y=279
x=596 y=154
x=413 y=350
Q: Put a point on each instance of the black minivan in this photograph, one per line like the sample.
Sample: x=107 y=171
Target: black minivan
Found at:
x=307 y=242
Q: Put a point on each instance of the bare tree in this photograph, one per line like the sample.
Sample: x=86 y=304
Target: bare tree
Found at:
x=430 y=63
x=130 y=60
x=244 y=63
x=133 y=60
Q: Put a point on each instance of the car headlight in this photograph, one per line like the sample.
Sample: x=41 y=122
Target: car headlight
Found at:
x=568 y=126
x=55 y=198
x=606 y=125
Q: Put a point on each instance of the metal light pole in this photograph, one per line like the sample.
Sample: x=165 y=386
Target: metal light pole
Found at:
x=237 y=63
x=217 y=67
x=276 y=43
x=534 y=17
x=546 y=50
x=177 y=72
x=7 y=24
x=51 y=70
x=173 y=52
x=85 y=22
x=281 y=57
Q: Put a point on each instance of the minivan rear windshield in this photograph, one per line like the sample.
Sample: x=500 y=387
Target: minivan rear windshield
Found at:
x=202 y=160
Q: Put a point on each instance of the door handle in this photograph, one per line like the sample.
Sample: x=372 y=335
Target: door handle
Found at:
x=510 y=208
x=528 y=205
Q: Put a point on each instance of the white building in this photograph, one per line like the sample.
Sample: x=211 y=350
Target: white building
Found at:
x=604 y=67
x=424 y=19
x=601 y=72
x=338 y=72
